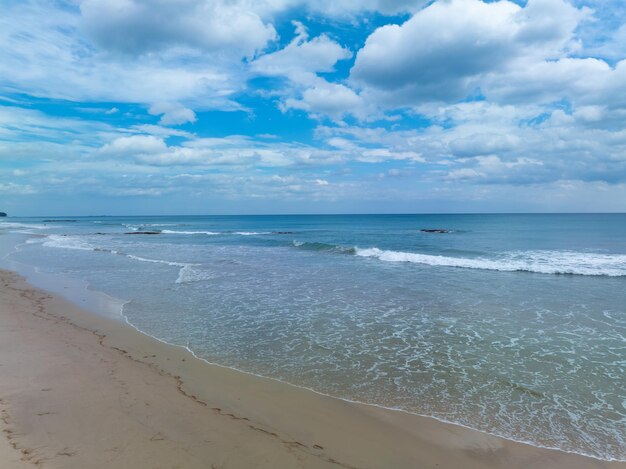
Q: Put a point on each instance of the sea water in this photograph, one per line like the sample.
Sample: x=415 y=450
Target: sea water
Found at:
x=510 y=324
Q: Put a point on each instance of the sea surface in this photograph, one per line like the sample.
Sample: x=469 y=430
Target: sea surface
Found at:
x=510 y=324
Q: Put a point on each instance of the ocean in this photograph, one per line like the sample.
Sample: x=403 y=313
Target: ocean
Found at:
x=511 y=324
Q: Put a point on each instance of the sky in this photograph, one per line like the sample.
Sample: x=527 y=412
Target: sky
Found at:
x=301 y=106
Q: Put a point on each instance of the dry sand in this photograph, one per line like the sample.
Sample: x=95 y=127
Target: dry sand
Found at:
x=82 y=391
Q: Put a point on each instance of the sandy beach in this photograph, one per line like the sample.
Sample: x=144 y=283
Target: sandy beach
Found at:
x=83 y=391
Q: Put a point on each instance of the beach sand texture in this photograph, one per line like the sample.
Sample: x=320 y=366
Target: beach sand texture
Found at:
x=82 y=391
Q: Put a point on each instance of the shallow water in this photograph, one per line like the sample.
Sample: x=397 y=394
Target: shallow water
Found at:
x=512 y=324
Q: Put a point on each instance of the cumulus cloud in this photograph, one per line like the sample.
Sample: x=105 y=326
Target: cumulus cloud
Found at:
x=443 y=52
x=486 y=143
x=135 y=145
x=19 y=189
x=172 y=113
x=44 y=54
x=300 y=62
x=234 y=151
x=142 y=26
x=345 y=9
x=302 y=56
x=465 y=99
x=332 y=99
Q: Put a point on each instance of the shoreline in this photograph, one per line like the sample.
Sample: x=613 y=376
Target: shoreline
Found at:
x=98 y=303
x=271 y=423
x=367 y=404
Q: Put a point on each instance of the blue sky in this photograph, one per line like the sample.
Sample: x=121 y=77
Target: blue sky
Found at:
x=295 y=106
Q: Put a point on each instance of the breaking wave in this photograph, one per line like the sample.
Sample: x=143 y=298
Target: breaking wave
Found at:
x=251 y=233
x=190 y=232
x=187 y=272
x=543 y=262
x=314 y=246
x=21 y=226
x=68 y=242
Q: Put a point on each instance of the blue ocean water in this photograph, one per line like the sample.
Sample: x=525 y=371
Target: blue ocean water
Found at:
x=511 y=324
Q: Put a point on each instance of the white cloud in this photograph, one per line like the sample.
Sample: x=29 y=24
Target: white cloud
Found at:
x=143 y=26
x=48 y=51
x=17 y=189
x=172 y=113
x=344 y=9
x=548 y=81
x=542 y=113
x=302 y=57
x=486 y=143
x=135 y=145
x=300 y=61
x=331 y=99
x=443 y=52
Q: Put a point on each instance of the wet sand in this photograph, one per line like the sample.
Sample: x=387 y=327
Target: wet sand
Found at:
x=82 y=391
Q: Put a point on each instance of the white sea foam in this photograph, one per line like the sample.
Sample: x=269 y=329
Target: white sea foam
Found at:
x=187 y=272
x=545 y=262
x=68 y=242
x=251 y=233
x=191 y=274
x=157 y=261
x=189 y=232
x=14 y=225
x=161 y=224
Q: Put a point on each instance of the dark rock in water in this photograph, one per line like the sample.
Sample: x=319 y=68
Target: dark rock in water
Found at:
x=283 y=232
x=143 y=232
x=436 y=230
x=2 y=214
x=60 y=221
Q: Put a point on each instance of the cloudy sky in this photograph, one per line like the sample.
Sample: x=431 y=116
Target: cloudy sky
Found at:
x=303 y=106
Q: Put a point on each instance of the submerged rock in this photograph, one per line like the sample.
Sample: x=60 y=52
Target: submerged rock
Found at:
x=434 y=230
x=2 y=214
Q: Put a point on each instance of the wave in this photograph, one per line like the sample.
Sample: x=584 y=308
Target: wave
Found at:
x=543 y=262
x=141 y=226
x=211 y=233
x=315 y=246
x=159 y=224
x=137 y=225
x=157 y=261
x=190 y=232
x=187 y=272
x=68 y=242
x=190 y=274
x=15 y=225
x=251 y=233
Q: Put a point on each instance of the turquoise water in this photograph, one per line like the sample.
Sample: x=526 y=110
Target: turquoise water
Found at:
x=511 y=324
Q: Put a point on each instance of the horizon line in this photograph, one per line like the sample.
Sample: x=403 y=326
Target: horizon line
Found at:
x=317 y=214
